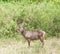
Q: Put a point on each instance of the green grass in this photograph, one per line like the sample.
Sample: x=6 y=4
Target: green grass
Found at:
x=44 y=15
x=9 y=46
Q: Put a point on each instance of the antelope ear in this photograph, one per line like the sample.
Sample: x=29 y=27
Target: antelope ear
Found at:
x=23 y=24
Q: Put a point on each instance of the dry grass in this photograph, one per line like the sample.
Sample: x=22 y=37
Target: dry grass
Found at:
x=52 y=46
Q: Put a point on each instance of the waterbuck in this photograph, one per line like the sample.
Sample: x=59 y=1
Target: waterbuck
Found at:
x=32 y=35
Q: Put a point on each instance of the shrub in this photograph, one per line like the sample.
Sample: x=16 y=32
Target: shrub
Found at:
x=42 y=15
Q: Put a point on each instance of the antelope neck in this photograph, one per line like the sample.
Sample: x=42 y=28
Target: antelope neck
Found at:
x=23 y=32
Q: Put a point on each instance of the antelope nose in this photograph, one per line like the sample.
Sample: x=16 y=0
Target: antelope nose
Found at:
x=17 y=30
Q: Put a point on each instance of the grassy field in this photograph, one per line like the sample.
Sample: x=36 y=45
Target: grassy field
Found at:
x=52 y=46
x=44 y=15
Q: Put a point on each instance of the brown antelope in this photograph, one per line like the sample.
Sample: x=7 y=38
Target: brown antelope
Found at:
x=32 y=35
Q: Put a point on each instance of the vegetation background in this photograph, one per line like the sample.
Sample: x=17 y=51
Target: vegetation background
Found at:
x=37 y=15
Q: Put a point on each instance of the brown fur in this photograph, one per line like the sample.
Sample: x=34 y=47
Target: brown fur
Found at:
x=32 y=35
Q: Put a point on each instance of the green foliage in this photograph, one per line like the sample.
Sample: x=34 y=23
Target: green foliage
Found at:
x=36 y=15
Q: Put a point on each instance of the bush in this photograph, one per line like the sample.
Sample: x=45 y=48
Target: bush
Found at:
x=42 y=15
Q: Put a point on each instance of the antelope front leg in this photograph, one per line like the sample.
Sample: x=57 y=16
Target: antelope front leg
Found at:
x=42 y=40
x=28 y=42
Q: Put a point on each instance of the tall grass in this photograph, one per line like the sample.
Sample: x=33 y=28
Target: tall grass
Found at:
x=9 y=46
